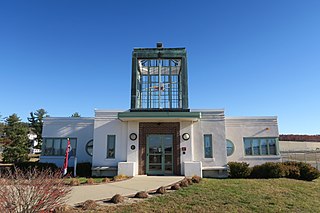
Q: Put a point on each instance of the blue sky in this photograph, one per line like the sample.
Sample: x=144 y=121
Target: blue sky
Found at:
x=252 y=58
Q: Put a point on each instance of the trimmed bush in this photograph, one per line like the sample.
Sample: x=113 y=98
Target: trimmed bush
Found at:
x=117 y=199
x=239 y=170
x=189 y=181
x=106 y=180
x=292 y=172
x=90 y=181
x=120 y=177
x=309 y=173
x=184 y=183
x=141 y=194
x=175 y=187
x=306 y=171
x=89 y=205
x=74 y=182
x=196 y=179
x=161 y=190
x=269 y=170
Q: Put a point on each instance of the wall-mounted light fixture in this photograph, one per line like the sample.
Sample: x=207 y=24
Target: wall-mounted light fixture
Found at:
x=185 y=136
x=133 y=136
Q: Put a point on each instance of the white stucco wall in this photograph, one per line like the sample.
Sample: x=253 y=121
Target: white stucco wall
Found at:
x=107 y=123
x=239 y=127
x=212 y=122
x=80 y=128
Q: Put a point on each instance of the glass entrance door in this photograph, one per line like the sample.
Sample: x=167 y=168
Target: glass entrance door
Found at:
x=159 y=155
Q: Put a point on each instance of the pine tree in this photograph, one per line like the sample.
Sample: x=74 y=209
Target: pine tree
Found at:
x=36 y=124
x=16 y=133
x=76 y=114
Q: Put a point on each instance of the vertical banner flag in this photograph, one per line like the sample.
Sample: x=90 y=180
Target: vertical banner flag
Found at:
x=66 y=158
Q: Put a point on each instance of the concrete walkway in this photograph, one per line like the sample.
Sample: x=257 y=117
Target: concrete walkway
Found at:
x=127 y=187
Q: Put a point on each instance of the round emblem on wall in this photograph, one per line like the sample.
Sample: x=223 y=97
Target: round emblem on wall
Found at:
x=133 y=147
x=133 y=136
x=185 y=136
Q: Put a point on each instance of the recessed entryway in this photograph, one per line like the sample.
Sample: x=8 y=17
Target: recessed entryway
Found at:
x=159 y=148
x=159 y=154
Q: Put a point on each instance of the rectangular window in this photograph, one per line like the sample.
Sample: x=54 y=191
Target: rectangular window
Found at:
x=260 y=146
x=207 y=146
x=57 y=146
x=111 y=146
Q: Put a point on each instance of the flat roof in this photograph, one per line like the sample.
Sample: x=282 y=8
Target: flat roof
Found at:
x=186 y=116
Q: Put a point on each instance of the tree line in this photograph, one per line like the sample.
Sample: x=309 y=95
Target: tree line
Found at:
x=14 y=135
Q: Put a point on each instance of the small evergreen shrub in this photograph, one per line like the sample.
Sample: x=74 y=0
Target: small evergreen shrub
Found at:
x=309 y=173
x=90 y=181
x=120 y=177
x=306 y=171
x=161 y=190
x=106 y=180
x=117 y=199
x=196 y=179
x=141 y=194
x=269 y=170
x=184 y=183
x=175 y=187
x=74 y=182
x=239 y=169
x=292 y=172
x=89 y=205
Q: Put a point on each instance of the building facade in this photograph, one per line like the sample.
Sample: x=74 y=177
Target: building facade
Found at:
x=159 y=134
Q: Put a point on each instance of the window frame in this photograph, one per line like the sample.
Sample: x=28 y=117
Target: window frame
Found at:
x=204 y=145
x=233 y=147
x=61 y=152
x=107 y=147
x=251 y=139
x=90 y=146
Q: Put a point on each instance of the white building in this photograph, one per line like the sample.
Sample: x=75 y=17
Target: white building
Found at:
x=160 y=135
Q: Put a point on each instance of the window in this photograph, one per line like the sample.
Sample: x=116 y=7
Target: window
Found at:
x=111 y=146
x=230 y=147
x=57 y=146
x=208 y=146
x=89 y=147
x=260 y=146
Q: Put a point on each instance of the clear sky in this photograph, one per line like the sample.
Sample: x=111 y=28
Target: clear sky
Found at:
x=252 y=58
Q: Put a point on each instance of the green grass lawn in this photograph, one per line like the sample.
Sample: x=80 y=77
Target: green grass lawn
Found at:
x=234 y=195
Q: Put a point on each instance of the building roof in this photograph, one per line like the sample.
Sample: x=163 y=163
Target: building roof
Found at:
x=310 y=138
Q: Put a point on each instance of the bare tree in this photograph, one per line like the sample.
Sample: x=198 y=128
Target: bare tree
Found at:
x=31 y=191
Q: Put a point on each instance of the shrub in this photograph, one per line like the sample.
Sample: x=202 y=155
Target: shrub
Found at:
x=74 y=182
x=306 y=171
x=269 y=170
x=106 y=180
x=90 y=181
x=309 y=173
x=141 y=194
x=175 y=187
x=190 y=182
x=26 y=166
x=117 y=199
x=196 y=179
x=32 y=191
x=184 y=183
x=161 y=190
x=89 y=205
x=84 y=169
x=120 y=177
x=239 y=169
x=292 y=172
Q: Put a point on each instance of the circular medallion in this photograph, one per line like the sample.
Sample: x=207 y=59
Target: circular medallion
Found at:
x=185 y=136
x=133 y=136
